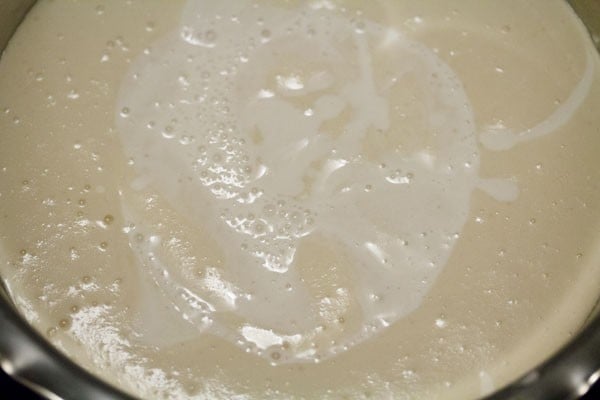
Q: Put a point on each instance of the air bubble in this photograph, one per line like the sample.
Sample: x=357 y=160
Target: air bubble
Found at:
x=265 y=35
x=532 y=221
x=359 y=27
x=185 y=140
x=290 y=82
x=183 y=80
x=167 y=133
x=409 y=374
x=398 y=178
x=206 y=39
x=73 y=254
x=64 y=323
x=441 y=322
x=374 y=297
x=73 y=95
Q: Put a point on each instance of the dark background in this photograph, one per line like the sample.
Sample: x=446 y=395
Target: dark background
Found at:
x=10 y=389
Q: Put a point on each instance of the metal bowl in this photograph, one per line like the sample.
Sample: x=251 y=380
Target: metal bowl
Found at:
x=30 y=359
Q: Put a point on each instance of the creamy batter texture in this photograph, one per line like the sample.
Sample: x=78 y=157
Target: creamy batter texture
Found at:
x=301 y=199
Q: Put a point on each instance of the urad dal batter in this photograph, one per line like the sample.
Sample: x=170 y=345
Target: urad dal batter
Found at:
x=301 y=199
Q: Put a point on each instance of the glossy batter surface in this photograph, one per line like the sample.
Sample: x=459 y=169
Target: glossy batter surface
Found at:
x=319 y=199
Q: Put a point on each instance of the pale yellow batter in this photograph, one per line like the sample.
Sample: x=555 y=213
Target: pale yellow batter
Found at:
x=301 y=199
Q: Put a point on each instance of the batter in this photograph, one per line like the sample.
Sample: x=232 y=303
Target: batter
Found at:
x=301 y=199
